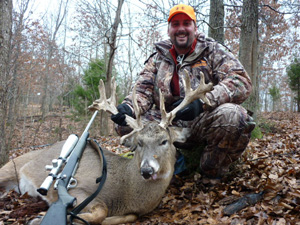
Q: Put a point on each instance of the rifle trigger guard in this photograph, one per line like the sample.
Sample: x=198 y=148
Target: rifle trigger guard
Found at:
x=72 y=183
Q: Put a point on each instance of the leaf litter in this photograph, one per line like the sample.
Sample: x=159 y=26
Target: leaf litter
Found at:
x=263 y=187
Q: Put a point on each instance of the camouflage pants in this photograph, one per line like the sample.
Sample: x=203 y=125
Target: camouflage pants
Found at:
x=225 y=131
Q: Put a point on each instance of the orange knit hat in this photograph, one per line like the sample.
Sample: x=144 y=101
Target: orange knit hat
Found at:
x=181 y=8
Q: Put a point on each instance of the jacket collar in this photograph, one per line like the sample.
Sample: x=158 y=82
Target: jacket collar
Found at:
x=164 y=47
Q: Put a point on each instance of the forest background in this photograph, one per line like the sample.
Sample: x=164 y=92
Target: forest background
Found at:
x=54 y=53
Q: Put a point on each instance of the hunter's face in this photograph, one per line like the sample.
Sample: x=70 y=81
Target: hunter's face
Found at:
x=182 y=32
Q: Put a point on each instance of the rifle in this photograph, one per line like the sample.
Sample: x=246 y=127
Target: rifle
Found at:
x=71 y=154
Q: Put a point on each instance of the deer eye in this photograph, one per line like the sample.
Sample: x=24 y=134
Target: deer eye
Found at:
x=164 y=142
x=140 y=143
x=133 y=148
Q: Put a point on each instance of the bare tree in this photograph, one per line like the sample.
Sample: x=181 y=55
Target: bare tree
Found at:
x=100 y=21
x=112 y=43
x=129 y=58
x=5 y=38
x=112 y=40
x=17 y=40
x=61 y=13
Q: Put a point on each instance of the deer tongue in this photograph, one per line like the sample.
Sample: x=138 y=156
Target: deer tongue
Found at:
x=154 y=176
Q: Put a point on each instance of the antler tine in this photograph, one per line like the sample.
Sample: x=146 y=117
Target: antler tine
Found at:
x=136 y=124
x=103 y=103
x=202 y=89
x=190 y=96
x=166 y=118
x=162 y=107
x=113 y=87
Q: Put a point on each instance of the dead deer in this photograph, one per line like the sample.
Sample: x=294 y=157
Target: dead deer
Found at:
x=133 y=187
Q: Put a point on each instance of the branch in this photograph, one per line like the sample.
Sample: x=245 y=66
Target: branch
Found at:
x=219 y=27
x=247 y=200
x=273 y=155
x=275 y=10
x=268 y=6
x=234 y=6
x=17 y=177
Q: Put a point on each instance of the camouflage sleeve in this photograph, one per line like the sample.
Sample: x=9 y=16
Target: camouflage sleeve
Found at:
x=234 y=83
x=145 y=85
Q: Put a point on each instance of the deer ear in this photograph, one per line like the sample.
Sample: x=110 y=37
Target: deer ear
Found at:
x=129 y=140
x=179 y=134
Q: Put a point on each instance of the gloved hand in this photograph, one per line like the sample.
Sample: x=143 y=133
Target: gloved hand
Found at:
x=119 y=118
x=190 y=112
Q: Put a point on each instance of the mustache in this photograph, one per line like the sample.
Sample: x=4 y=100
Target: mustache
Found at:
x=180 y=33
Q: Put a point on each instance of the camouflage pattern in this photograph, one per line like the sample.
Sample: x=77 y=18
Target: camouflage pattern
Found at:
x=225 y=126
x=231 y=82
x=226 y=131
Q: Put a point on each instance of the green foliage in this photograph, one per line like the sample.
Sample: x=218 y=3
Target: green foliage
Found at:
x=120 y=89
x=263 y=126
x=275 y=93
x=121 y=97
x=256 y=133
x=293 y=72
x=251 y=103
x=84 y=95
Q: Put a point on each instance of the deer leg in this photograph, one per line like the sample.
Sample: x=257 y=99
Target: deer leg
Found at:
x=130 y=218
x=96 y=215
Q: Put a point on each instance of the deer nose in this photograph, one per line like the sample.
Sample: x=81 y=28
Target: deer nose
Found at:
x=147 y=172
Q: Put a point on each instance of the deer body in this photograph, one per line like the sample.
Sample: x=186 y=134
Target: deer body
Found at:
x=125 y=191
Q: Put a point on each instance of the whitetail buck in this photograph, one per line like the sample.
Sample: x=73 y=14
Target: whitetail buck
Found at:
x=133 y=187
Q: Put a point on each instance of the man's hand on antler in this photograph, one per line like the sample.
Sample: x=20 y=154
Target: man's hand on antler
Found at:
x=190 y=112
x=119 y=118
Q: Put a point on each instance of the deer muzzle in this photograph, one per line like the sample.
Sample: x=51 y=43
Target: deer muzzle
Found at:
x=147 y=172
x=149 y=169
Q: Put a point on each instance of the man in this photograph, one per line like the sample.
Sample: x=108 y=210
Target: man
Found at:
x=225 y=126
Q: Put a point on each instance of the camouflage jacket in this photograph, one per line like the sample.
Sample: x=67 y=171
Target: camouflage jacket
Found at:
x=231 y=82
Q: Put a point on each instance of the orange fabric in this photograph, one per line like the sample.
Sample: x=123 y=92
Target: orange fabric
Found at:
x=181 y=8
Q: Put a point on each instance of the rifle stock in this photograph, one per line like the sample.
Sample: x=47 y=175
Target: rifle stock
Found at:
x=57 y=213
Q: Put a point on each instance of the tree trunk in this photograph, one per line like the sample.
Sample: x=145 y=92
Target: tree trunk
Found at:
x=128 y=81
x=248 y=52
x=5 y=39
x=14 y=86
x=216 y=20
x=25 y=110
x=112 y=48
x=112 y=45
x=298 y=96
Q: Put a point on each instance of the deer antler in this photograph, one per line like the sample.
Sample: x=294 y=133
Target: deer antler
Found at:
x=103 y=103
x=135 y=123
x=109 y=105
x=190 y=96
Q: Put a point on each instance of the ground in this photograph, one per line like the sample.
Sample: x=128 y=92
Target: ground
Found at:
x=263 y=187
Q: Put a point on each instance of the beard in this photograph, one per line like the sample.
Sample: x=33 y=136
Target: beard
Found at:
x=182 y=45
